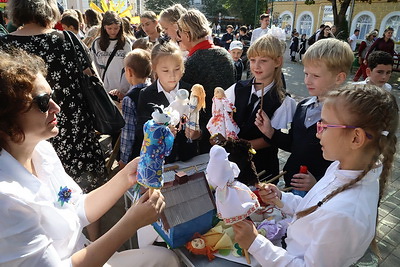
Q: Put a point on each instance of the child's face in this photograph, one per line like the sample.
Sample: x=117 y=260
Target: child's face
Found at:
x=335 y=142
x=319 y=80
x=264 y=22
x=148 y=26
x=236 y=54
x=169 y=28
x=169 y=71
x=380 y=74
x=263 y=69
x=112 y=30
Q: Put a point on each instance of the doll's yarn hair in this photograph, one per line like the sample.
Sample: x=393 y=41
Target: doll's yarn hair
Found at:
x=240 y=153
x=198 y=90
x=203 y=251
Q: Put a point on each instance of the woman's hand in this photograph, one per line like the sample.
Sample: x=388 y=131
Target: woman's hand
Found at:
x=303 y=181
x=269 y=193
x=148 y=208
x=264 y=124
x=245 y=233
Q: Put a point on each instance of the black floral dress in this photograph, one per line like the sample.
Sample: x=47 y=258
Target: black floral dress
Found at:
x=76 y=144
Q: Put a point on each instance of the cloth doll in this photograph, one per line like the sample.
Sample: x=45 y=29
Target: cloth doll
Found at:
x=181 y=106
x=157 y=144
x=197 y=101
x=222 y=119
x=234 y=200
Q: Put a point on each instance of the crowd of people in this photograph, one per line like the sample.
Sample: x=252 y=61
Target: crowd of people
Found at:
x=53 y=180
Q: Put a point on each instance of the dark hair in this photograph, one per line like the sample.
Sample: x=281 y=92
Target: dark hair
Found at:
x=356 y=30
x=18 y=71
x=42 y=12
x=379 y=57
x=92 y=18
x=70 y=20
x=139 y=61
x=109 y=18
x=243 y=29
x=80 y=16
x=153 y=17
x=263 y=16
x=143 y=43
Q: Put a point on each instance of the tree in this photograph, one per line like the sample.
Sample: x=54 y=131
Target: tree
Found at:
x=339 y=18
x=158 y=5
x=248 y=11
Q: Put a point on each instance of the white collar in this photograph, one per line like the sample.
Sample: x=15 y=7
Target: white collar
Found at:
x=266 y=89
x=312 y=100
x=161 y=89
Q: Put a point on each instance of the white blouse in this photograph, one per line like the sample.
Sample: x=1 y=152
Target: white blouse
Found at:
x=337 y=234
x=35 y=229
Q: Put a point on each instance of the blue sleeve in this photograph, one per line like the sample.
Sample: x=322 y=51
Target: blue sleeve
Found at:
x=128 y=132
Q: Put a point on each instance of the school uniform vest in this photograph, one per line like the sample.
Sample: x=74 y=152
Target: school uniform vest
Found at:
x=266 y=158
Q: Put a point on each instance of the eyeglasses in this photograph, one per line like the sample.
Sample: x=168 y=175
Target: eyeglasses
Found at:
x=43 y=101
x=322 y=126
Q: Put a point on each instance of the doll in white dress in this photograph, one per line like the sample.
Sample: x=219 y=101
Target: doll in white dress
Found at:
x=197 y=101
x=222 y=116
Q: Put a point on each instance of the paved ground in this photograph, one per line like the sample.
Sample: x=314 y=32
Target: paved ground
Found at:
x=389 y=212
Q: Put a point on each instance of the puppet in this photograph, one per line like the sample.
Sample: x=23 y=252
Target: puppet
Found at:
x=222 y=116
x=181 y=106
x=197 y=101
x=157 y=144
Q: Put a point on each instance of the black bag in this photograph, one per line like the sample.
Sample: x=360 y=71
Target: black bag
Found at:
x=107 y=117
x=312 y=40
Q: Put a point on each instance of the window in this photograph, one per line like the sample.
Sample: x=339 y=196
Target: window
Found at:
x=286 y=23
x=364 y=24
x=394 y=22
x=305 y=25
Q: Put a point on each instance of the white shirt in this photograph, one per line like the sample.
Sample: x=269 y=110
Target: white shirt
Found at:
x=353 y=42
x=115 y=74
x=337 y=234
x=386 y=86
x=35 y=229
x=257 y=33
x=171 y=95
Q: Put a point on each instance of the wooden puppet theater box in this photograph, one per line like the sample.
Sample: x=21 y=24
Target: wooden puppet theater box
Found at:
x=190 y=208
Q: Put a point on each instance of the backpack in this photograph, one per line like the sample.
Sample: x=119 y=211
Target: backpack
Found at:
x=311 y=40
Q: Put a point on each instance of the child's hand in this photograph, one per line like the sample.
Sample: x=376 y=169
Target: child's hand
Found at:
x=303 y=182
x=264 y=124
x=192 y=134
x=245 y=233
x=148 y=208
x=269 y=193
x=130 y=171
x=117 y=93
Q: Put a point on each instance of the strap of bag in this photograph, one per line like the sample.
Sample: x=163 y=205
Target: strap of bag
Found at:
x=68 y=37
x=109 y=61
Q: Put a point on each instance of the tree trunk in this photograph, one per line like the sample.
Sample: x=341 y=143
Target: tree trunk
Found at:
x=339 y=18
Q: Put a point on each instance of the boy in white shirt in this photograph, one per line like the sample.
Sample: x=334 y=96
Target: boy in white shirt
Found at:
x=379 y=70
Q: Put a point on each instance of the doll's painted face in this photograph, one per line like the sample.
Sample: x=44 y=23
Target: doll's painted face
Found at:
x=219 y=93
x=198 y=243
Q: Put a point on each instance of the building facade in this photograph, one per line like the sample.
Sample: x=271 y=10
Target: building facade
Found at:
x=380 y=14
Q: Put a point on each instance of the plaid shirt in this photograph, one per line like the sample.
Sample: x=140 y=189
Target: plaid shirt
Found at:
x=128 y=132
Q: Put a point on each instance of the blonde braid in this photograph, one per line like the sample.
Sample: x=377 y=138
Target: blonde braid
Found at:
x=376 y=111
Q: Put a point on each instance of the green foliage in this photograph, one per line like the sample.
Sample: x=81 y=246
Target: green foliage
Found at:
x=213 y=7
x=158 y=5
x=246 y=11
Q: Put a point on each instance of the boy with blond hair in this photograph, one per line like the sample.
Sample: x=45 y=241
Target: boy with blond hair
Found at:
x=137 y=70
x=326 y=66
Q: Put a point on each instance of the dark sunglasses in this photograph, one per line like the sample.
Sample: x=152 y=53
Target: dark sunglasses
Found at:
x=43 y=101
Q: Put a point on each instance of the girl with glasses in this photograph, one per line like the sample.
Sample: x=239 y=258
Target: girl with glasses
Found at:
x=335 y=223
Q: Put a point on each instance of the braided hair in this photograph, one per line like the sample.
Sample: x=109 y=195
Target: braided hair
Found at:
x=374 y=110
